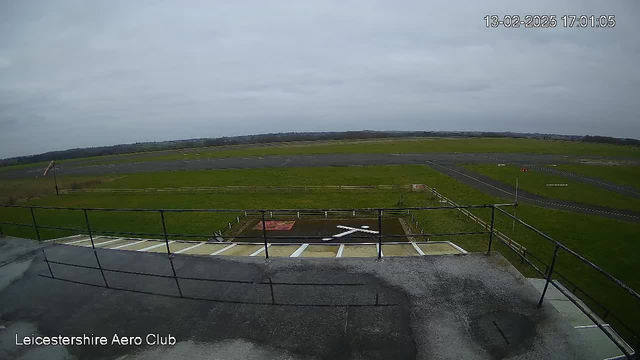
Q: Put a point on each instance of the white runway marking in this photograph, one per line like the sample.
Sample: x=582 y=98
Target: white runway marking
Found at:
x=340 y=250
x=350 y=230
x=108 y=242
x=76 y=241
x=260 y=250
x=127 y=245
x=379 y=250
x=415 y=246
x=189 y=248
x=155 y=246
x=300 y=250
x=223 y=249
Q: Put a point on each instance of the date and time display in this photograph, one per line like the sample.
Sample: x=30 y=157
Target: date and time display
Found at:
x=550 y=21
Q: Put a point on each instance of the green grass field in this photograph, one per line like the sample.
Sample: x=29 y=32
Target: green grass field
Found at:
x=535 y=182
x=374 y=146
x=13 y=191
x=620 y=174
x=409 y=146
x=604 y=241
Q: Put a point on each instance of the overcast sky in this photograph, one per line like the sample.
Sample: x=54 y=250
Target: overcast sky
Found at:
x=91 y=73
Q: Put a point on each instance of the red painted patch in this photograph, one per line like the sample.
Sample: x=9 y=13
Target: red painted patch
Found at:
x=275 y=225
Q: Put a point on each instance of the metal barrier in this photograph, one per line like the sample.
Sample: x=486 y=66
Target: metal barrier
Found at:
x=378 y=213
x=550 y=270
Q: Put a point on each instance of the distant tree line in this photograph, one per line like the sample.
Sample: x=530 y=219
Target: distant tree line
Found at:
x=610 y=140
x=286 y=137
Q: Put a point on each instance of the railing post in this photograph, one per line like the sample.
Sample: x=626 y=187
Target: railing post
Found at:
x=379 y=234
x=1 y=232
x=48 y=265
x=35 y=224
x=549 y=274
x=164 y=230
x=264 y=236
x=166 y=242
x=95 y=253
x=86 y=218
x=493 y=214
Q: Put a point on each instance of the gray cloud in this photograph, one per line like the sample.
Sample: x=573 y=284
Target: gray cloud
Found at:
x=74 y=73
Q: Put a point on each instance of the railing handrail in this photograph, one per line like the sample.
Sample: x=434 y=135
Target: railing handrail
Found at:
x=575 y=254
x=251 y=210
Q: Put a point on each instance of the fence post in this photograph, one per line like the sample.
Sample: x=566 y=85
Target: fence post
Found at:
x=549 y=274
x=86 y=218
x=493 y=214
x=166 y=241
x=1 y=232
x=264 y=236
x=379 y=234
x=35 y=224
x=95 y=253
x=48 y=265
x=164 y=231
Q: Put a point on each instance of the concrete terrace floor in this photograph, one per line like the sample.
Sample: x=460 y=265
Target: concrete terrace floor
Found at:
x=429 y=307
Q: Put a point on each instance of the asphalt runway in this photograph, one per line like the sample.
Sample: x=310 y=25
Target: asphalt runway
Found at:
x=507 y=192
x=260 y=162
x=446 y=161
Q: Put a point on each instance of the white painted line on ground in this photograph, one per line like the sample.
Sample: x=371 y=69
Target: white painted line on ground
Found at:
x=620 y=357
x=108 y=242
x=223 y=249
x=457 y=247
x=189 y=248
x=356 y=229
x=415 y=246
x=340 y=250
x=155 y=246
x=260 y=250
x=379 y=250
x=536 y=200
x=77 y=241
x=300 y=250
x=65 y=238
x=589 y=326
x=126 y=245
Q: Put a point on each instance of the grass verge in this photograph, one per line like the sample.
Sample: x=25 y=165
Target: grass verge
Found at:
x=576 y=191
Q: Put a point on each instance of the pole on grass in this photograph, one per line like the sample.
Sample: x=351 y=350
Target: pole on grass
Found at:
x=379 y=234
x=264 y=236
x=513 y=227
x=55 y=181
x=35 y=224
x=493 y=215
x=549 y=274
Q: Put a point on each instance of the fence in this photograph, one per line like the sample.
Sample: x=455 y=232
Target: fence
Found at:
x=240 y=188
x=263 y=214
x=379 y=213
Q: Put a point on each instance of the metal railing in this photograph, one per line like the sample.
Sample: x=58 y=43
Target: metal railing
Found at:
x=548 y=273
x=378 y=213
x=239 y=188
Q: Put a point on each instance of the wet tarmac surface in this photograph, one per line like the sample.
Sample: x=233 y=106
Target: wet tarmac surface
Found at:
x=416 y=307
